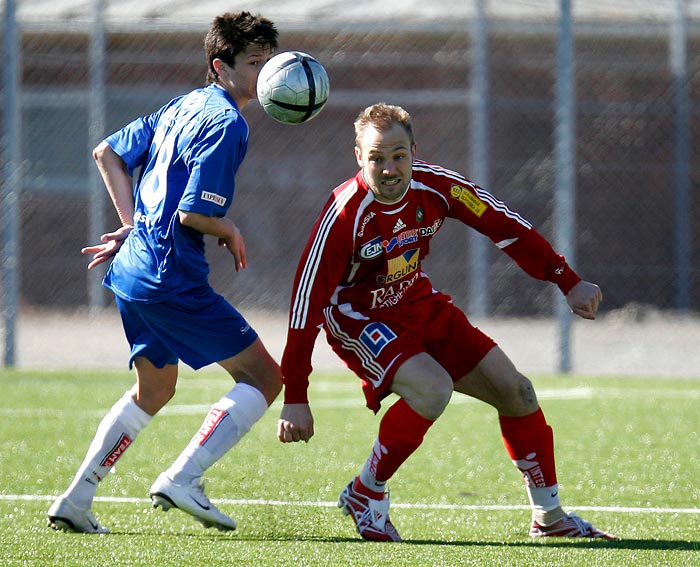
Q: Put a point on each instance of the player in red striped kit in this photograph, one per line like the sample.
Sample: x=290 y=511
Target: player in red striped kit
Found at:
x=360 y=278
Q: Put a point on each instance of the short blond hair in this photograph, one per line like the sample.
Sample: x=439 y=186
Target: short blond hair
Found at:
x=382 y=116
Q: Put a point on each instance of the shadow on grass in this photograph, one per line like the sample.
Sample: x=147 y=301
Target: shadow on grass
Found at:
x=639 y=544
x=231 y=536
x=628 y=544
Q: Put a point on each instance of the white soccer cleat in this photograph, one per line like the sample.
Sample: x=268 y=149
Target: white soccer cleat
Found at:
x=189 y=498
x=371 y=516
x=570 y=525
x=66 y=516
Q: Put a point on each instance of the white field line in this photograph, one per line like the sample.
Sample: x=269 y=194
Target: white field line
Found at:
x=354 y=400
x=315 y=504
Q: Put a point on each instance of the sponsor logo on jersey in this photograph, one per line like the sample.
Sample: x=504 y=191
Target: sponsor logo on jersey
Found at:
x=410 y=236
x=400 y=225
x=140 y=217
x=211 y=422
x=403 y=239
x=389 y=296
x=430 y=230
x=472 y=202
x=213 y=198
x=376 y=336
x=365 y=220
x=401 y=266
x=118 y=450
x=372 y=249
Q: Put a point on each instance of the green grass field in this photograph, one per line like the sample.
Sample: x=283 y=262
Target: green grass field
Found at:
x=628 y=460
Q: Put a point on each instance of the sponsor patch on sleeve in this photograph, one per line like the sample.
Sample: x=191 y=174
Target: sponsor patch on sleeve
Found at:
x=213 y=198
x=470 y=200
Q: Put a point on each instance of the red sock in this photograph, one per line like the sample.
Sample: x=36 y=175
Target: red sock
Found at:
x=401 y=432
x=530 y=444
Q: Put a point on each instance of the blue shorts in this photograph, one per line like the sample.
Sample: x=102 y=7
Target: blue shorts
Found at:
x=199 y=328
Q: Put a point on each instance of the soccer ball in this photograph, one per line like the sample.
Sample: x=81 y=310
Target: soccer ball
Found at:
x=293 y=87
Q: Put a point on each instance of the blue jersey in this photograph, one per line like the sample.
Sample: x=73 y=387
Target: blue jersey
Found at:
x=188 y=152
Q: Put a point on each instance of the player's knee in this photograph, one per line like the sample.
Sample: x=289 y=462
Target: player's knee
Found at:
x=430 y=396
x=267 y=379
x=518 y=397
x=439 y=396
x=272 y=387
x=152 y=400
x=424 y=384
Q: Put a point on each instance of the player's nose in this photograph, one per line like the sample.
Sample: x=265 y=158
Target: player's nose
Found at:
x=389 y=168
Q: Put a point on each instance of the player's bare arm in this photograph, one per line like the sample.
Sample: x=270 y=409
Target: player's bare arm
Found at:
x=296 y=423
x=118 y=183
x=222 y=228
x=117 y=180
x=584 y=299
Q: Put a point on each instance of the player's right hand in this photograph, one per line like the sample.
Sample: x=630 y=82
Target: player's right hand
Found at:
x=296 y=423
x=111 y=242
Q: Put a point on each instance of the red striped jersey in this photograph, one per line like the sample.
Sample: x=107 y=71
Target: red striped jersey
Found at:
x=364 y=256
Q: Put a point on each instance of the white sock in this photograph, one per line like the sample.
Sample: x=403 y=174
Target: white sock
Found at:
x=117 y=430
x=227 y=422
x=545 y=503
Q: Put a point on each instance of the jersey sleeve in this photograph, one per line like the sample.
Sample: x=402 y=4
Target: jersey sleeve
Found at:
x=325 y=259
x=133 y=142
x=212 y=162
x=511 y=233
x=536 y=257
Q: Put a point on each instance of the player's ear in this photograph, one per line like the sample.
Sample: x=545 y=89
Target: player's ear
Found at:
x=219 y=66
x=358 y=156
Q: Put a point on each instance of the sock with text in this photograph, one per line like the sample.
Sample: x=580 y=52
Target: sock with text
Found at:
x=401 y=432
x=115 y=433
x=227 y=422
x=529 y=441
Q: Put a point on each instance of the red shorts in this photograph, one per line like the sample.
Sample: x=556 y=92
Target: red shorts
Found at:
x=375 y=347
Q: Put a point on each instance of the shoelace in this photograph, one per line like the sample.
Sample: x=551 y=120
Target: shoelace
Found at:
x=587 y=528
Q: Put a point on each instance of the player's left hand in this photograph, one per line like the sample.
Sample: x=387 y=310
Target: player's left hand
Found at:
x=111 y=242
x=584 y=299
x=235 y=244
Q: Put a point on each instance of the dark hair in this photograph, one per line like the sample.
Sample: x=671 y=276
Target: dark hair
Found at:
x=230 y=34
x=382 y=116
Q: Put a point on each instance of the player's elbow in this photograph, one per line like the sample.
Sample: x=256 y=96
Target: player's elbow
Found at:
x=100 y=152
x=190 y=219
x=107 y=159
x=185 y=218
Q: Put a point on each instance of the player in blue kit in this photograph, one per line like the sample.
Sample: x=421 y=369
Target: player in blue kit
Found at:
x=188 y=152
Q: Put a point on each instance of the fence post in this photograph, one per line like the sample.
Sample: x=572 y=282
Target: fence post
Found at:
x=479 y=296
x=565 y=173
x=11 y=183
x=96 y=132
x=681 y=155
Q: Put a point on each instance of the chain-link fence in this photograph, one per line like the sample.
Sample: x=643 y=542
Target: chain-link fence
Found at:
x=637 y=162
